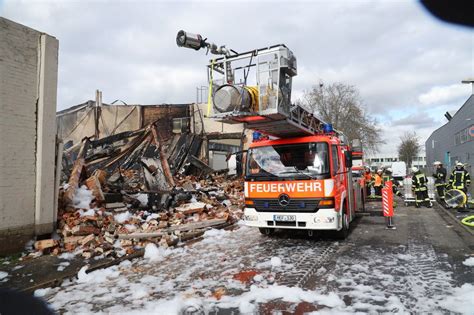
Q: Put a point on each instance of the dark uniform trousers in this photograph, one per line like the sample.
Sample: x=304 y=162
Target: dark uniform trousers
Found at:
x=420 y=182
x=440 y=182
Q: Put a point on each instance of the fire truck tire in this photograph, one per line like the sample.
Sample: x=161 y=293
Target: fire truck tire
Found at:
x=266 y=231
x=344 y=232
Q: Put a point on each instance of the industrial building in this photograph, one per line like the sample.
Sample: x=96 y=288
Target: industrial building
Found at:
x=454 y=141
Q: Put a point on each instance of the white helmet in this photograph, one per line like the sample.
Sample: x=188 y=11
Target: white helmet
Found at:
x=379 y=170
x=459 y=165
x=389 y=170
x=437 y=163
x=414 y=169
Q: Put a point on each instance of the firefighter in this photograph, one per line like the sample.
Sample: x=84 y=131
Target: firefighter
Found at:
x=460 y=178
x=368 y=179
x=420 y=185
x=395 y=184
x=440 y=179
x=378 y=183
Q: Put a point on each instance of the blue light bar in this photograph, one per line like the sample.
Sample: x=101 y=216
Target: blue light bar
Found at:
x=327 y=128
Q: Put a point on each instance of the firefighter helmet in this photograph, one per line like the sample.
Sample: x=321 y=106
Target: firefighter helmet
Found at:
x=389 y=170
x=459 y=165
x=414 y=169
x=437 y=163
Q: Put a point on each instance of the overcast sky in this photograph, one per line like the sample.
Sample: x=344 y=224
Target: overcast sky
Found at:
x=406 y=64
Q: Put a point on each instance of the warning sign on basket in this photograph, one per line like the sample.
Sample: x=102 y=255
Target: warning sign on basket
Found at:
x=471 y=131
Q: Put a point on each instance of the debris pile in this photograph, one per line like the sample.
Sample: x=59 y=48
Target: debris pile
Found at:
x=132 y=188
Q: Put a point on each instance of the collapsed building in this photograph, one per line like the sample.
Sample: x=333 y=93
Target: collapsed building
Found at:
x=133 y=174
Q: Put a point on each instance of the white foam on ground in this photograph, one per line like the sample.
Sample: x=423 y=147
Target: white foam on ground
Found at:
x=214 y=235
x=82 y=198
x=63 y=265
x=469 y=262
x=67 y=256
x=275 y=261
x=41 y=292
x=461 y=300
x=248 y=302
x=122 y=217
x=155 y=254
x=167 y=281
x=97 y=276
x=3 y=275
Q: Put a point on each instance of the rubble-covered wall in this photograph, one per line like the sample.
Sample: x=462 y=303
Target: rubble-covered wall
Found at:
x=28 y=74
x=79 y=121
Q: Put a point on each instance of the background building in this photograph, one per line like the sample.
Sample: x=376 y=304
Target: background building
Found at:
x=384 y=160
x=28 y=89
x=454 y=141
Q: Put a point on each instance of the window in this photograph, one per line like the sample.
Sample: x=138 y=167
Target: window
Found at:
x=463 y=136
x=335 y=159
x=295 y=161
x=457 y=138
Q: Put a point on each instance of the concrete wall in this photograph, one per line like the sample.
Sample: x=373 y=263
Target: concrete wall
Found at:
x=28 y=87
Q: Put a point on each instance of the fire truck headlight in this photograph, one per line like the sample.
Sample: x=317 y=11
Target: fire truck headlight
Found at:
x=250 y=218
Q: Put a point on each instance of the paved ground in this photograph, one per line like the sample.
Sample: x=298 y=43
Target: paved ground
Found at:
x=417 y=268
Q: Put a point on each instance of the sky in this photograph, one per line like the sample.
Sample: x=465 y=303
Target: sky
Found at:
x=407 y=65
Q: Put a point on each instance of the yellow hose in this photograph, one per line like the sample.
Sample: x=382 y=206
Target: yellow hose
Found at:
x=469 y=221
x=253 y=92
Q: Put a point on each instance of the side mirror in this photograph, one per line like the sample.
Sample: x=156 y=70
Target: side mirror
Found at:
x=348 y=157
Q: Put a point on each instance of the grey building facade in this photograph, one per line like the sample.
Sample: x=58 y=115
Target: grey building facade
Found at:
x=454 y=141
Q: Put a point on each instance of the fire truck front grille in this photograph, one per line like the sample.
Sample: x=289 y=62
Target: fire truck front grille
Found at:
x=295 y=205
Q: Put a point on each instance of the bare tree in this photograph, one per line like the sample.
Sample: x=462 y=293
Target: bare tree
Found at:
x=340 y=104
x=409 y=147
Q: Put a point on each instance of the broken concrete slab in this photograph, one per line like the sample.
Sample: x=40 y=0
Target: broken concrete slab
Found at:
x=44 y=244
x=190 y=208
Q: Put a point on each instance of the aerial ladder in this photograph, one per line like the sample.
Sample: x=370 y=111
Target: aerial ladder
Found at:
x=254 y=88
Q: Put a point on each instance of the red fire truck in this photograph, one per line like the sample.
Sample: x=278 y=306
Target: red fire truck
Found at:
x=301 y=178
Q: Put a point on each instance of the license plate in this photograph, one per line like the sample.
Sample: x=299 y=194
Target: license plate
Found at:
x=285 y=218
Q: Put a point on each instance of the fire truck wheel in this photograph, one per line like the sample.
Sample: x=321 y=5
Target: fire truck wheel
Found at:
x=266 y=231
x=342 y=233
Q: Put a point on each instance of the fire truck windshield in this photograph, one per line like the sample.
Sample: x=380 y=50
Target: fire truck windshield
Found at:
x=289 y=161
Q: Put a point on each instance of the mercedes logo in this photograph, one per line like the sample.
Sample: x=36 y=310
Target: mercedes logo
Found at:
x=284 y=200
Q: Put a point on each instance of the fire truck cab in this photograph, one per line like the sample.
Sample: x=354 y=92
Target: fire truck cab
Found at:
x=300 y=183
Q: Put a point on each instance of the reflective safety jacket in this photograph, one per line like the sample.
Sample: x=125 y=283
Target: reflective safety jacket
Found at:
x=460 y=179
x=368 y=177
x=440 y=176
x=378 y=180
x=419 y=181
